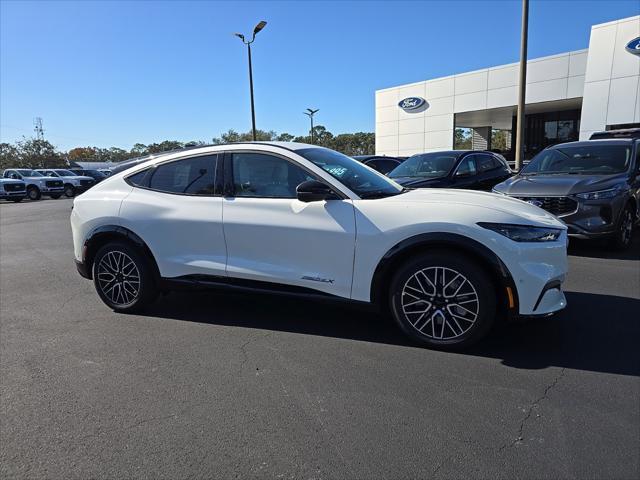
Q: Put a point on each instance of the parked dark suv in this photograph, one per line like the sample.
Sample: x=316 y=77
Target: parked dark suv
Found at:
x=593 y=186
x=470 y=169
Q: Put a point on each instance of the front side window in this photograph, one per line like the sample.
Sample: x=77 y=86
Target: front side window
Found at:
x=429 y=165
x=265 y=176
x=365 y=182
x=189 y=176
x=29 y=173
x=581 y=160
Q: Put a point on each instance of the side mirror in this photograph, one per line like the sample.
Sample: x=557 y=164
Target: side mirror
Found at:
x=314 y=191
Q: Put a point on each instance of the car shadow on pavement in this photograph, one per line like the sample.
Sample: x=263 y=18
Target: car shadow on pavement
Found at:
x=599 y=333
x=601 y=249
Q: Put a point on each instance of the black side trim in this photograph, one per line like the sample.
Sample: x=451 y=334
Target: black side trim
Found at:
x=82 y=269
x=444 y=240
x=244 y=285
x=549 y=286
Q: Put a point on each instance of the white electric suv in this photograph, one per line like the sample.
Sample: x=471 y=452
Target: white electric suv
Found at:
x=306 y=219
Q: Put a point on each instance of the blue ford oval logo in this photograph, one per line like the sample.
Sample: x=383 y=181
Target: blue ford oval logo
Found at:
x=411 y=103
x=634 y=46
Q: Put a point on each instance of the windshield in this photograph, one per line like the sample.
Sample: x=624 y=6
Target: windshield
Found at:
x=365 y=182
x=430 y=165
x=29 y=173
x=65 y=173
x=580 y=160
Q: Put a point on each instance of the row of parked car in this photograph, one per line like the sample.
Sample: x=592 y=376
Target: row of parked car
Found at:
x=19 y=183
x=593 y=186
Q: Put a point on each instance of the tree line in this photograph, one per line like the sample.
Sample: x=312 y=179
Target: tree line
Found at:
x=40 y=153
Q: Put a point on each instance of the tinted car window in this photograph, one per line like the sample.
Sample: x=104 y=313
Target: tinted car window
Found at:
x=486 y=163
x=467 y=167
x=138 y=179
x=382 y=165
x=432 y=165
x=266 y=176
x=189 y=176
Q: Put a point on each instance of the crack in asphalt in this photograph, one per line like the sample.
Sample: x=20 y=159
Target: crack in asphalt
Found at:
x=243 y=347
x=519 y=439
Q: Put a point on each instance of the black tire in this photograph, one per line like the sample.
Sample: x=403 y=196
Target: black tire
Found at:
x=17 y=200
x=115 y=293
x=55 y=196
x=444 y=324
x=69 y=191
x=621 y=240
x=34 y=193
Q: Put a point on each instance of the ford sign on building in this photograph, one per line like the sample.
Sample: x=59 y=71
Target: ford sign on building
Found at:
x=411 y=103
x=569 y=96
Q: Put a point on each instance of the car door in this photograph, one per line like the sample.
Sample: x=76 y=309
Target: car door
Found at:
x=466 y=173
x=490 y=171
x=271 y=236
x=176 y=208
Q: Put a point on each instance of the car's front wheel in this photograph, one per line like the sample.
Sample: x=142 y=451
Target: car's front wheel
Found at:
x=69 y=190
x=443 y=300
x=123 y=277
x=34 y=193
x=621 y=240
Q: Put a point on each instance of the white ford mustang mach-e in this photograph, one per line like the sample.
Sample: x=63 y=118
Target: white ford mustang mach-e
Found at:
x=306 y=219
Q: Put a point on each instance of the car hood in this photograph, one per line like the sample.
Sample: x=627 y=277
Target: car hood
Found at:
x=472 y=199
x=556 y=185
x=415 y=181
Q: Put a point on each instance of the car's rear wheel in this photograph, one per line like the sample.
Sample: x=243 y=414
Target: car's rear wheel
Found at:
x=34 y=193
x=123 y=277
x=443 y=300
x=621 y=240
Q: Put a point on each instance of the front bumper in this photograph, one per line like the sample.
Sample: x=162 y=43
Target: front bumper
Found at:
x=10 y=195
x=51 y=190
x=594 y=218
x=83 y=269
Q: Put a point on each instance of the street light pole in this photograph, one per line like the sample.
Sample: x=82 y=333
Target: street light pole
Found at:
x=310 y=113
x=522 y=87
x=256 y=29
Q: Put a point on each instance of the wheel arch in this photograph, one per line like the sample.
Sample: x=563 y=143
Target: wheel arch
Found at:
x=404 y=250
x=108 y=233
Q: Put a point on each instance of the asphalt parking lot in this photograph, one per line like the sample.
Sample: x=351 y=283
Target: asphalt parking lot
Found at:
x=236 y=385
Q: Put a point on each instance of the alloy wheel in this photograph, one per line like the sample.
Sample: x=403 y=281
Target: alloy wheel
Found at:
x=118 y=278
x=440 y=303
x=626 y=228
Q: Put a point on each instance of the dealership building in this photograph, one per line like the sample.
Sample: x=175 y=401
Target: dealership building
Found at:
x=568 y=97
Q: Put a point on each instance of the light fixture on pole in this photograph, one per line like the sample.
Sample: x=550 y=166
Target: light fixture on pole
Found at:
x=256 y=29
x=310 y=113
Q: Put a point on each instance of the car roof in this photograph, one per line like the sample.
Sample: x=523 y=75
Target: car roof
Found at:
x=590 y=143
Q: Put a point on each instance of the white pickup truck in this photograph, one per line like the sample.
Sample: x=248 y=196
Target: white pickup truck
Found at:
x=73 y=184
x=36 y=183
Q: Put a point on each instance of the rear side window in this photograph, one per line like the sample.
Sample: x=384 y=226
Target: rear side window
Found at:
x=189 y=176
x=467 y=167
x=486 y=163
x=137 y=179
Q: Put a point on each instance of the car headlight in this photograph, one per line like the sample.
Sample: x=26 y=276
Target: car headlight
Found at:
x=524 y=233
x=600 y=194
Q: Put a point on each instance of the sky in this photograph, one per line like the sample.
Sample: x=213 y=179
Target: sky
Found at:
x=121 y=72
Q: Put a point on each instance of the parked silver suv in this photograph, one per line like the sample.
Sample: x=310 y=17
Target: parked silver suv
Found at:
x=37 y=184
x=592 y=186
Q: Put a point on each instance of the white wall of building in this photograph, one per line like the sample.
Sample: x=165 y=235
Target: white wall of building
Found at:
x=612 y=81
x=606 y=75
